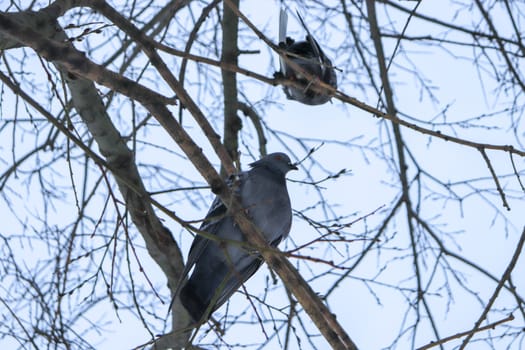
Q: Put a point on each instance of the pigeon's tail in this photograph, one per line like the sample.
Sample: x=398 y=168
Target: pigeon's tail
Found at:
x=283 y=23
x=191 y=302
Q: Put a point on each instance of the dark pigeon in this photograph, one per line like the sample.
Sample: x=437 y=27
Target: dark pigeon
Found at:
x=220 y=267
x=310 y=57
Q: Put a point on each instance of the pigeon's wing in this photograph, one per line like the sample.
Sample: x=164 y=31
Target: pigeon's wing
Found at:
x=318 y=54
x=199 y=244
x=212 y=219
x=283 y=23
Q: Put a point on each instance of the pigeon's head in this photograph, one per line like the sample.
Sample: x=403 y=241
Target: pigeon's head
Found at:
x=278 y=162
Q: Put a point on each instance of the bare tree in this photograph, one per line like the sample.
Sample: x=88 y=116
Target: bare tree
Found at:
x=120 y=121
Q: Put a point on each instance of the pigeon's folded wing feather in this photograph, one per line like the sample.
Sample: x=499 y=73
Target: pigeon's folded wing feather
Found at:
x=214 y=216
x=318 y=56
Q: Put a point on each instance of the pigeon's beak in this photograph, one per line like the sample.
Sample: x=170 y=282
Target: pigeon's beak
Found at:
x=293 y=166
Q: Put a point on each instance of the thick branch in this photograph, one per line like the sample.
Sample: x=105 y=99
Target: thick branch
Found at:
x=230 y=52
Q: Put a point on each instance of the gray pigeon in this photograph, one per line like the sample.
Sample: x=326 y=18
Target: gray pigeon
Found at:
x=221 y=267
x=309 y=56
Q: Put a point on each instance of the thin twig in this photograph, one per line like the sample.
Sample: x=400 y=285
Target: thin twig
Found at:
x=256 y=121
x=462 y=334
x=501 y=283
x=516 y=172
x=495 y=177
